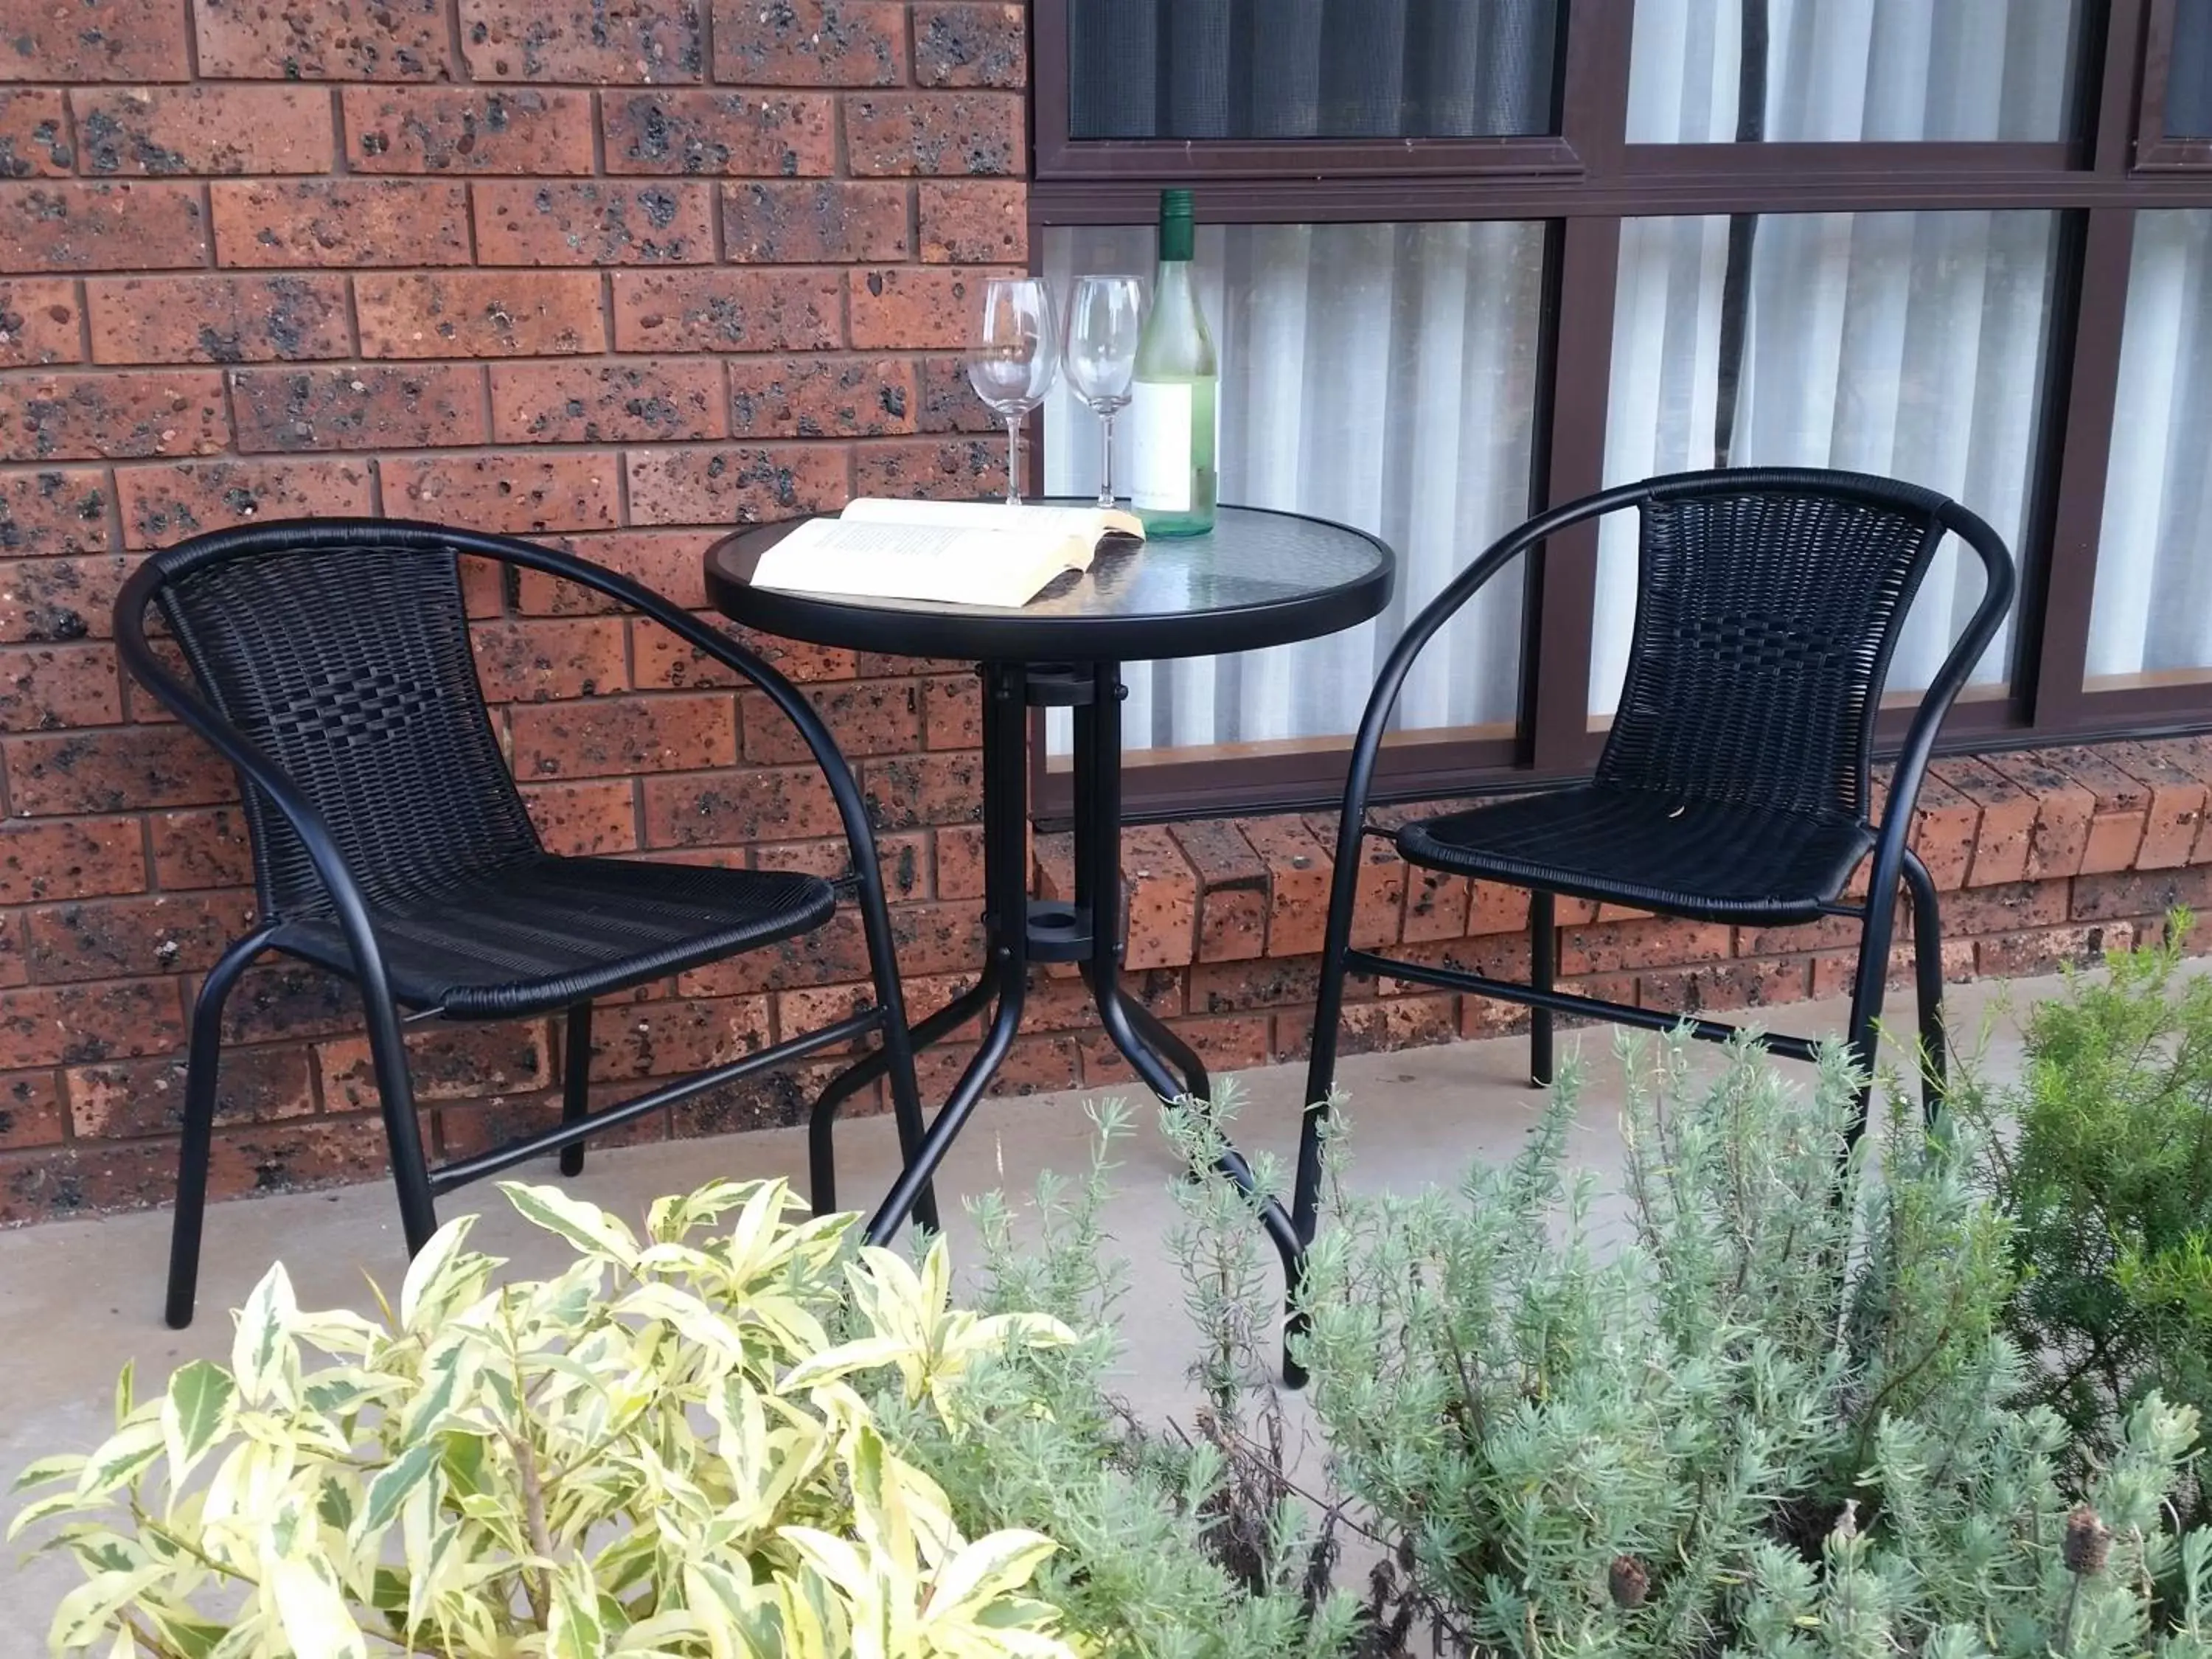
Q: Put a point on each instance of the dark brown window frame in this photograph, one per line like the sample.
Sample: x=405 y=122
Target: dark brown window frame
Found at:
x=1582 y=183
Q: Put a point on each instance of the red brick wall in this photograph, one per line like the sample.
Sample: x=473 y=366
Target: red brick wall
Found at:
x=617 y=275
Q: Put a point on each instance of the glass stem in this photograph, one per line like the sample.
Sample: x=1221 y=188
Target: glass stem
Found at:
x=1013 y=460
x=1106 y=459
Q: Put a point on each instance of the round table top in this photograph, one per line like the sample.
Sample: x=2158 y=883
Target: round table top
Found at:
x=1260 y=578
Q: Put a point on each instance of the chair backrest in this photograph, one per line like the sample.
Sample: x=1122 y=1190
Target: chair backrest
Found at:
x=1770 y=603
x=341 y=651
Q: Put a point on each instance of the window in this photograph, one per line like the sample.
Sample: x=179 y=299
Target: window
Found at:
x=1469 y=257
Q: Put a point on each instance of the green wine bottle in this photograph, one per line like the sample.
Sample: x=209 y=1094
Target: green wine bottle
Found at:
x=1175 y=403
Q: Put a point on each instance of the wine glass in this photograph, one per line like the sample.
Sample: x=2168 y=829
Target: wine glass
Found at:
x=1103 y=320
x=1018 y=359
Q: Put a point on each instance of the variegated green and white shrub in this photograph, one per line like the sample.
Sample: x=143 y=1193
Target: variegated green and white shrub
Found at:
x=658 y=1452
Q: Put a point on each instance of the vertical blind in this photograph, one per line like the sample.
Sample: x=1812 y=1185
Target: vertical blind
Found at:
x=1839 y=71
x=1907 y=344
x=2152 y=614
x=1310 y=69
x=1381 y=375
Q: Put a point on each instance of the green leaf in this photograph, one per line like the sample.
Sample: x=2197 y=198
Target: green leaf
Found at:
x=196 y=1413
x=434 y=1273
x=89 y=1611
x=586 y=1226
x=262 y=1350
x=121 y=1459
x=46 y=1470
x=314 y=1615
x=125 y=1403
x=986 y=1570
x=575 y=1630
x=865 y=1354
x=390 y=1489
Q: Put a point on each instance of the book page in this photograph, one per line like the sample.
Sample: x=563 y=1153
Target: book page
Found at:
x=893 y=560
x=1087 y=523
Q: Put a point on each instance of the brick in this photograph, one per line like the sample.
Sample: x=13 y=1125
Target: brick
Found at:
x=2063 y=812
x=667 y=561
x=45 y=600
x=729 y=809
x=821 y=397
x=81 y=858
x=2175 y=814
x=340 y=223
x=632 y=400
x=124 y=770
x=815 y=222
x=38 y=320
x=2021 y=956
x=594 y=41
x=593 y=222
x=361 y=406
x=606 y=736
x=914 y=308
x=959 y=862
x=666 y=1039
x=323 y=40
x=1232 y=898
x=30 y=1110
x=35 y=133
x=2010 y=908
x=1944 y=825
x=516 y=495
x=910 y=791
x=53 y=511
x=1299 y=871
x=490 y=313
x=165 y=504
x=1378 y=908
x=48 y=687
x=539 y=660
x=467 y=130
x=119 y=938
x=958 y=469
x=963 y=44
x=936 y=133
x=719 y=132
x=200 y=847
x=1162 y=899
x=727 y=311
x=113 y=416
x=1726 y=987
x=1396 y=1023
x=54 y=226
x=147 y=1097
x=809 y=43
x=445 y=1063
x=974 y=222
x=92 y=41
x=78 y=1024
x=2142 y=893
x=1615 y=947
x=949 y=403
x=286 y=1001
x=2122 y=803
x=952 y=711
x=2008 y=819
x=865 y=717
x=217 y=320
x=205 y=129
x=577 y=820
x=734 y=486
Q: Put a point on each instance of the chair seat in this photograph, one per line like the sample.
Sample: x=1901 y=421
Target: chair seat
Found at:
x=541 y=933
x=1705 y=859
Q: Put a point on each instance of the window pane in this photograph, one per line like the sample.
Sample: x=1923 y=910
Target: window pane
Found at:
x=2189 y=76
x=1910 y=345
x=2152 y=616
x=1310 y=69
x=1381 y=375
x=1839 y=71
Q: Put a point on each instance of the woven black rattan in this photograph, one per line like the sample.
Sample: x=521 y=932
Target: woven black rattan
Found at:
x=333 y=669
x=1734 y=784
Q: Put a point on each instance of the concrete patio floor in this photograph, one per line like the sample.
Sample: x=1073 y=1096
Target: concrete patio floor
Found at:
x=78 y=1299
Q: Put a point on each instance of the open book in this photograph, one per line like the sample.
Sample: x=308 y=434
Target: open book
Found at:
x=952 y=552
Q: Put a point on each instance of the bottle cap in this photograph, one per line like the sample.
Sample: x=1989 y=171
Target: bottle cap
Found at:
x=1178 y=238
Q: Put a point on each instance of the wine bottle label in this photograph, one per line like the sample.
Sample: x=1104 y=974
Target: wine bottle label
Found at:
x=1159 y=459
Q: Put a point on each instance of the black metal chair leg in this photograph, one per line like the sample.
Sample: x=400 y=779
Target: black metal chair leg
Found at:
x=1867 y=990
x=1543 y=969
x=1928 y=973
x=403 y=1133
x=200 y=1071
x=576 y=1081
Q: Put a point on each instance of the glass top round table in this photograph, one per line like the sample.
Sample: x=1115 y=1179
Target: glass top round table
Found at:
x=1260 y=578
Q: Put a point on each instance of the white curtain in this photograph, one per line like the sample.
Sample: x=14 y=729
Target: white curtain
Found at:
x=1908 y=344
x=1381 y=375
x=1839 y=71
x=2152 y=611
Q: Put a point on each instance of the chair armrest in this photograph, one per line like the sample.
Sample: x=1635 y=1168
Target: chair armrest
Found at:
x=260 y=773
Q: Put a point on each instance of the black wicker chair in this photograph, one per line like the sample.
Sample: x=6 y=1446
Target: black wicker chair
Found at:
x=1734 y=787
x=390 y=843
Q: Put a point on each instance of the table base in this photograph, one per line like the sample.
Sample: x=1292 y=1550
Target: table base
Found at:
x=1019 y=931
